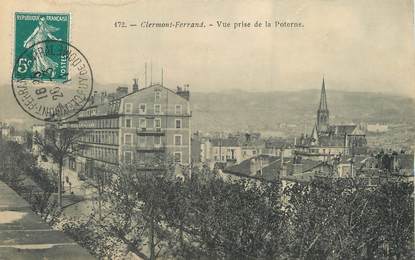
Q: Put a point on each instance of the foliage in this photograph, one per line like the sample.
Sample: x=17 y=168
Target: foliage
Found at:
x=150 y=212
x=347 y=220
x=59 y=143
x=19 y=171
x=14 y=163
x=89 y=235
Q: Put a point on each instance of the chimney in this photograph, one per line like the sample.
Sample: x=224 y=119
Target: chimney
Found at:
x=102 y=97
x=247 y=138
x=283 y=171
x=252 y=167
x=94 y=99
x=121 y=91
x=135 y=85
x=184 y=92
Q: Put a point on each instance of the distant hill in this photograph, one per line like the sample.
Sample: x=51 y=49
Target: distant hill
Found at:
x=264 y=111
x=267 y=110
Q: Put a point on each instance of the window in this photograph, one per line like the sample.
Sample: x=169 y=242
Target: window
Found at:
x=128 y=157
x=128 y=122
x=142 y=141
x=128 y=108
x=142 y=109
x=157 y=123
x=157 y=109
x=142 y=123
x=177 y=140
x=178 y=157
x=178 y=109
x=157 y=95
x=128 y=139
x=157 y=140
x=178 y=123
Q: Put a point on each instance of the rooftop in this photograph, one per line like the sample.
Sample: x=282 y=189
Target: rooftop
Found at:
x=23 y=235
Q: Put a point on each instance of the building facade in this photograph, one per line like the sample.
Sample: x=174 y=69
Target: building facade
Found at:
x=134 y=127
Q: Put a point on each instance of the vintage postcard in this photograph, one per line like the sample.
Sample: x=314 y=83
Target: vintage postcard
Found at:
x=192 y=129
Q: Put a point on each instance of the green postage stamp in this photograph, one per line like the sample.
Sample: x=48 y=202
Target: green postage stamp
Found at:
x=32 y=58
x=51 y=79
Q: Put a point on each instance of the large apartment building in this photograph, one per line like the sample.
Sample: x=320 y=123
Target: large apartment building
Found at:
x=133 y=127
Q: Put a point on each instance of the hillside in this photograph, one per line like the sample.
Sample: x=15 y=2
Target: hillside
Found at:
x=265 y=111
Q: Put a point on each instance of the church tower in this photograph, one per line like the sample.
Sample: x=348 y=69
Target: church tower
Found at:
x=323 y=112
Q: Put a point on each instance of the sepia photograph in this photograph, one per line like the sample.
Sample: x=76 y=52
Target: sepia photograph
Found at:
x=194 y=129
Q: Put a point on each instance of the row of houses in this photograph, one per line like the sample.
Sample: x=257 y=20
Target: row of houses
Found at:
x=371 y=168
x=8 y=132
x=234 y=148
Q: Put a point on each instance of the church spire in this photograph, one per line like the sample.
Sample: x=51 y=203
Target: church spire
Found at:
x=323 y=111
x=323 y=99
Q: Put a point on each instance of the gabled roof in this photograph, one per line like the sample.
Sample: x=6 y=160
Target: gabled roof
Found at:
x=358 y=131
x=342 y=129
x=149 y=87
x=278 y=143
x=406 y=161
x=308 y=165
x=331 y=141
x=244 y=167
x=314 y=134
x=224 y=142
x=112 y=106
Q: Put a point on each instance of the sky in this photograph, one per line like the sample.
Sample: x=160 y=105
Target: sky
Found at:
x=356 y=45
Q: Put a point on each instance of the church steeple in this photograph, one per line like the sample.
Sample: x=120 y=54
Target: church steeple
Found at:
x=323 y=111
x=323 y=99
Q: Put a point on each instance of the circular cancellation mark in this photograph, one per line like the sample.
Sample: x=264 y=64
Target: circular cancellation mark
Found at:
x=52 y=80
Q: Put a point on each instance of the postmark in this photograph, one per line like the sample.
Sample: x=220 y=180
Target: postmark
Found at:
x=52 y=80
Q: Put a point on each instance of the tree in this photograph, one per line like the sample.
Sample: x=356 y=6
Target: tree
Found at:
x=59 y=144
x=18 y=170
x=346 y=219
x=242 y=219
x=395 y=213
x=28 y=140
x=14 y=163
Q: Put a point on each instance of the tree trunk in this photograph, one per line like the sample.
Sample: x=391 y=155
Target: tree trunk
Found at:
x=60 y=184
x=152 y=245
x=100 y=203
x=181 y=240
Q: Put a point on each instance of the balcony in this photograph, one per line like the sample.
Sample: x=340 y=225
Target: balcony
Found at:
x=151 y=149
x=150 y=132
